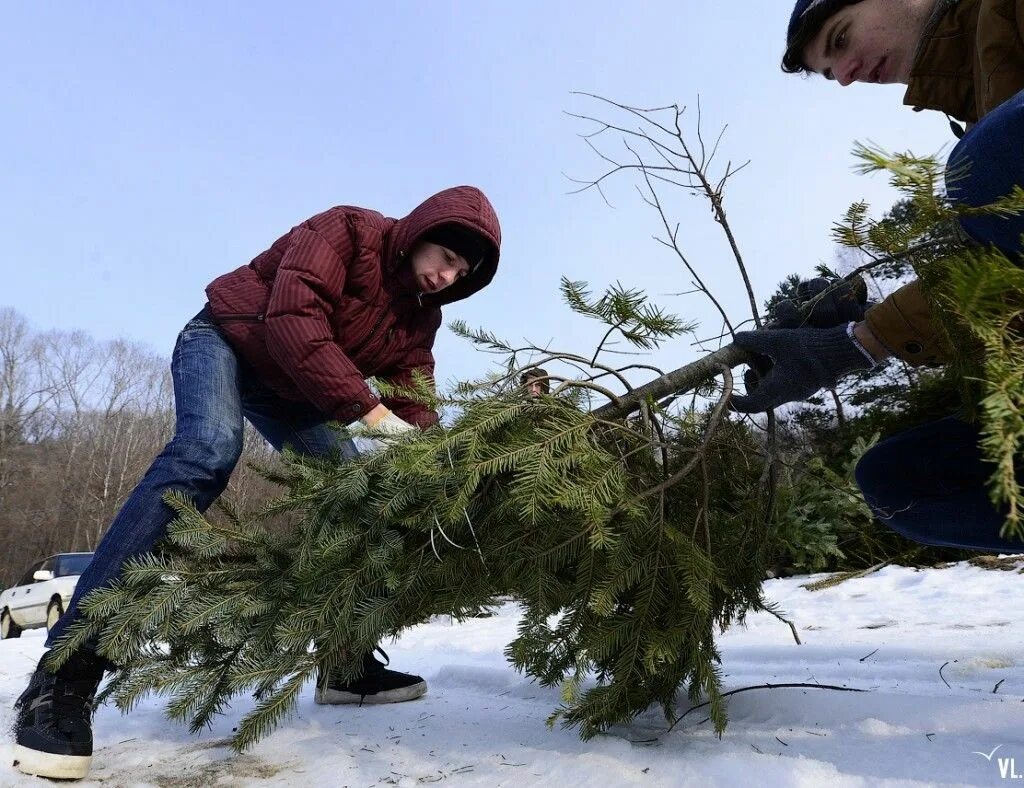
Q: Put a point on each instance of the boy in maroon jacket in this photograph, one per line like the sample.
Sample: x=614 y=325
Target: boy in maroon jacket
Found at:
x=286 y=342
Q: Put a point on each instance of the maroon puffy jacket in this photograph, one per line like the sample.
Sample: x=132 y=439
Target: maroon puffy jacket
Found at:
x=334 y=302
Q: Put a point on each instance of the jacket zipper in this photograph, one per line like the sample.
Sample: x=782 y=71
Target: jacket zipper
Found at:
x=371 y=336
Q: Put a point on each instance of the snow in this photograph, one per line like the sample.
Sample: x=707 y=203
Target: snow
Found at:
x=482 y=724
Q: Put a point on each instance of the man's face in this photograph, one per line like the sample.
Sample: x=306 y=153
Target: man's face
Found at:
x=870 y=41
x=437 y=267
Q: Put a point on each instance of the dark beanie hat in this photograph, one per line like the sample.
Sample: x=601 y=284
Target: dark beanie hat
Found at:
x=465 y=242
x=806 y=21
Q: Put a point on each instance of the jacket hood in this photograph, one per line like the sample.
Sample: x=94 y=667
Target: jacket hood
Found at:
x=465 y=205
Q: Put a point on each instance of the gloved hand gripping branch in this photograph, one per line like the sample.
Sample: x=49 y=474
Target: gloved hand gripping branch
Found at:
x=808 y=345
x=794 y=363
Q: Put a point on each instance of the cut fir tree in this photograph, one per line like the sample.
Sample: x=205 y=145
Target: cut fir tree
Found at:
x=627 y=542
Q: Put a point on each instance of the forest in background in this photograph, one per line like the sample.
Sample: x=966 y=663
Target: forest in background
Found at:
x=80 y=422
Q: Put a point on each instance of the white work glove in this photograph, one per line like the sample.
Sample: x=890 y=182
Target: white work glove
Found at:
x=392 y=425
x=385 y=431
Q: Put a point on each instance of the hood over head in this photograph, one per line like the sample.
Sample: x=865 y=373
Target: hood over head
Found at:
x=462 y=205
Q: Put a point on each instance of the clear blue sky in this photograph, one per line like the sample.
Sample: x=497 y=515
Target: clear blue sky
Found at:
x=147 y=148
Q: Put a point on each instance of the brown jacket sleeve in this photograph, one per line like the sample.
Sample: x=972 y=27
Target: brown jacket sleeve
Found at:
x=904 y=325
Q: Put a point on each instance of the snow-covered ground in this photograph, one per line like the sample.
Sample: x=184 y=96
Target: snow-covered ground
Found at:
x=482 y=724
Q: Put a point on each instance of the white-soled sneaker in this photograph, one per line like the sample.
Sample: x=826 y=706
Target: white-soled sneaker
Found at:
x=53 y=731
x=376 y=685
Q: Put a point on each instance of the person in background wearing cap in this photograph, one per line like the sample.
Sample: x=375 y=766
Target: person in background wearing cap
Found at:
x=964 y=58
x=287 y=342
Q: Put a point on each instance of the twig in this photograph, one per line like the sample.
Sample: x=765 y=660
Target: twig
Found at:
x=842 y=577
x=792 y=627
x=608 y=333
x=472 y=530
x=899 y=257
x=449 y=541
x=867 y=655
x=433 y=546
x=832 y=687
x=655 y=203
x=582 y=384
x=943 y=677
x=713 y=420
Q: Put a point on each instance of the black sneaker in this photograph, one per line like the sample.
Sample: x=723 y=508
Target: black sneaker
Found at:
x=53 y=731
x=376 y=685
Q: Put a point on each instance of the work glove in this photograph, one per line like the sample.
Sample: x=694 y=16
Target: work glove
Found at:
x=392 y=425
x=794 y=363
x=844 y=301
x=386 y=431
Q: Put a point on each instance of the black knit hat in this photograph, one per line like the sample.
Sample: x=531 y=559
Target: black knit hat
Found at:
x=465 y=242
x=806 y=21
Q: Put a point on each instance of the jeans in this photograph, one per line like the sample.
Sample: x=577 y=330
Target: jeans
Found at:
x=985 y=166
x=213 y=391
x=929 y=484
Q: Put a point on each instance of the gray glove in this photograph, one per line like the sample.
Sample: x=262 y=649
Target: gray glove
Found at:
x=822 y=303
x=796 y=362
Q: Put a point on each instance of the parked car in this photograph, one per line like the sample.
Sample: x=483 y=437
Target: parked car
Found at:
x=42 y=594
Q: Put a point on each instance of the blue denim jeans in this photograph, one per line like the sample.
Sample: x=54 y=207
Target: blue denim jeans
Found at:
x=213 y=391
x=929 y=484
x=985 y=166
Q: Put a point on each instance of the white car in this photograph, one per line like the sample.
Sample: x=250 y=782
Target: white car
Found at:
x=42 y=595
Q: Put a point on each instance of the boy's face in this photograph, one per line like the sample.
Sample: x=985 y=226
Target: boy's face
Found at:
x=870 y=41
x=437 y=267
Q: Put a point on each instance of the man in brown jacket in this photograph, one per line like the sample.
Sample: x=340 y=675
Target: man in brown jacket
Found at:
x=286 y=342
x=964 y=58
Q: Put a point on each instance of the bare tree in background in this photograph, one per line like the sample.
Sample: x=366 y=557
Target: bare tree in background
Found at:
x=25 y=394
x=80 y=423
